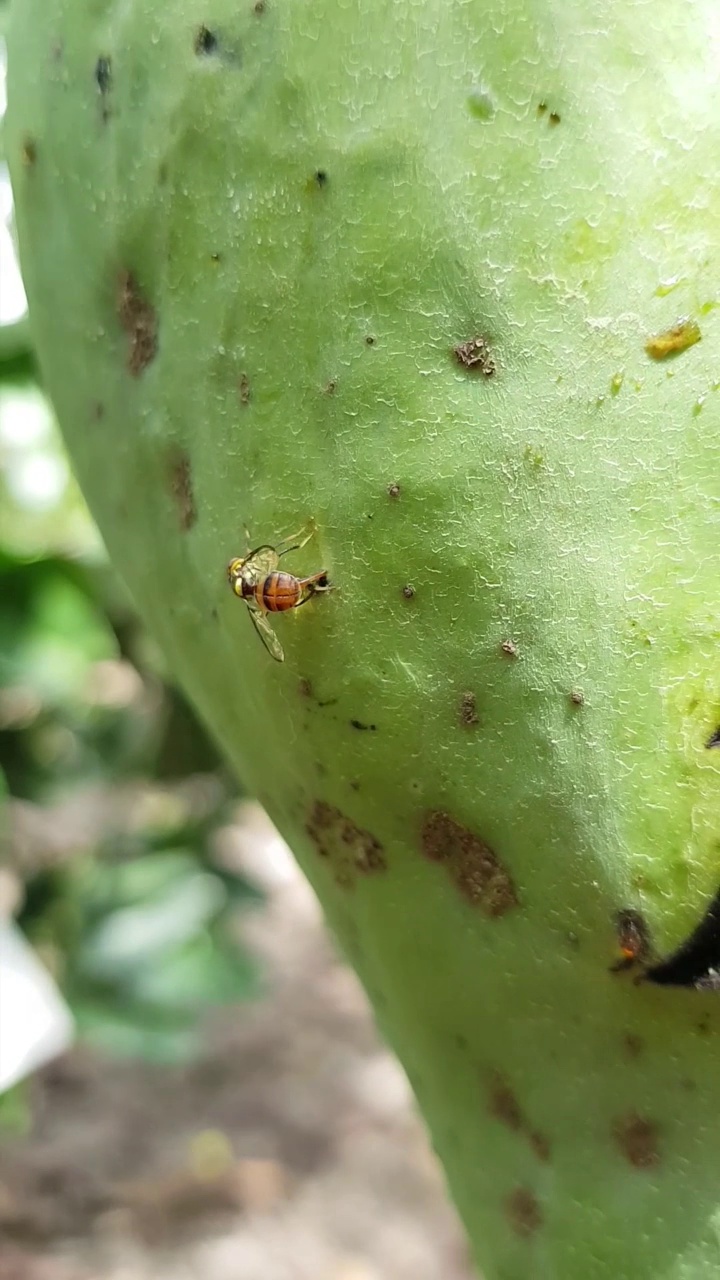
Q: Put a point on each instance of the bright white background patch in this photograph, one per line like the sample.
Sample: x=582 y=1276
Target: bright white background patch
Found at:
x=35 y=1023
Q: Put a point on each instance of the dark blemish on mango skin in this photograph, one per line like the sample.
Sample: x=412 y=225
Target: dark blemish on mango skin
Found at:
x=206 y=42
x=103 y=80
x=475 y=354
x=633 y=939
x=259 y=7
x=103 y=74
x=468 y=715
x=638 y=1140
x=697 y=959
x=181 y=488
x=359 y=724
x=633 y=1045
x=306 y=690
x=577 y=698
x=139 y=321
x=473 y=866
x=713 y=740
x=29 y=152
x=554 y=116
x=352 y=850
x=510 y=648
x=244 y=389
x=320 y=177
x=394 y=490
x=673 y=341
x=503 y=1105
x=522 y=1209
x=369 y=340
x=408 y=591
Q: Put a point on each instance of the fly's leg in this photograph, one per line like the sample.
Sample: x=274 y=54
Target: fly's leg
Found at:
x=304 y=535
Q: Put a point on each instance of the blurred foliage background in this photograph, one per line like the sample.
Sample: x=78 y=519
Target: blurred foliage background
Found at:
x=113 y=791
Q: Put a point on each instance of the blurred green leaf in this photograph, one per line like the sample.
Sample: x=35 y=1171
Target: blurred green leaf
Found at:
x=136 y=936
x=204 y=972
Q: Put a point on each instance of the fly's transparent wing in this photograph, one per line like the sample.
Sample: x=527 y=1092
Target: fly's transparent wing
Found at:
x=266 y=634
x=259 y=563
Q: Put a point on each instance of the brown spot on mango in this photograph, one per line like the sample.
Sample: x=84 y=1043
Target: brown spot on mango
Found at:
x=638 y=1140
x=139 y=321
x=351 y=849
x=475 y=354
x=522 y=1209
x=468 y=710
x=503 y=1105
x=673 y=341
x=476 y=870
x=181 y=487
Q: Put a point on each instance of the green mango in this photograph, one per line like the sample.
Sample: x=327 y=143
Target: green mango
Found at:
x=437 y=281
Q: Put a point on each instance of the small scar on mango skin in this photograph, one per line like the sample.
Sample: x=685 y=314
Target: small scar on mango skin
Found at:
x=369 y=340
x=306 y=690
x=504 y=1106
x=577 y=698
x=244 y=389
x=321 y=177
x=359 y=724
x=103 y=74
x=139 y=321
x=671 y=342
x=554 y=116
x=510 y=648
x=633 y=939
x=29 y=152
x=475 y=354
x=330 y=387
x=98 y=411
x=394 y=490
x=259 y=7
x=474 y=867
x=181 y=488
x=522 y=1209
x=638 y=1140
x=633 y=1045
x=408 y=591
x=468 y=710
x=206 y=42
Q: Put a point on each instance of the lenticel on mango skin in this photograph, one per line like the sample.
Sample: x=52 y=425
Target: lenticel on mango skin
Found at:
x=393 y=267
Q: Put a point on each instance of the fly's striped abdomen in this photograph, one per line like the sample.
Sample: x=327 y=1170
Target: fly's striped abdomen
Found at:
x=278 y=592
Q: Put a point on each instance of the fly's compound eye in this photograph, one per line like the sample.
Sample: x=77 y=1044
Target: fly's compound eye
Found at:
x=234 y=575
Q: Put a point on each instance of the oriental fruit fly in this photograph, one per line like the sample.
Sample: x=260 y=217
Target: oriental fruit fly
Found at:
x=257 y=580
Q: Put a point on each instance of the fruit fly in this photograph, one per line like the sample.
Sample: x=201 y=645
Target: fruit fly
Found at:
x=257 y=580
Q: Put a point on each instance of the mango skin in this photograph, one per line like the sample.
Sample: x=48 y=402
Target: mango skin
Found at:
x=252 y=237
